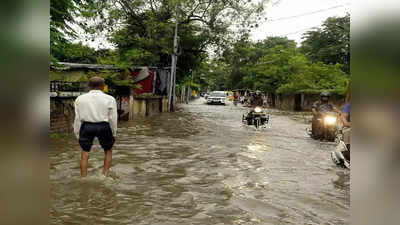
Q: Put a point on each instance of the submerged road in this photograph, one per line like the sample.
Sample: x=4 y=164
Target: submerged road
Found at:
x=201 y=166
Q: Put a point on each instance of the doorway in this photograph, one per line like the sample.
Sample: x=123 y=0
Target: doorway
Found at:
x=297 y=102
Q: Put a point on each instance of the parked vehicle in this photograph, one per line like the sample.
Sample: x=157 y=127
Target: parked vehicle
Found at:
x=230 y=95
x=217 y=97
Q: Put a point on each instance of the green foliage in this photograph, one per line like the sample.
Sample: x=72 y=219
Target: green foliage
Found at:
x=262 y=65
x=330 y=44
x=274 y=65
x=212 y=75
x=143 y=30
x=144 y=95
x=62 y=13
x=76 y=53
x=315 y=78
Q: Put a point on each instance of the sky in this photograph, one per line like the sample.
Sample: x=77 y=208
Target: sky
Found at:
x=292 y=18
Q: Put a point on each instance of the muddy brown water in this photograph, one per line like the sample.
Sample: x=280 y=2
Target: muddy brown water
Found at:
x=200 y=165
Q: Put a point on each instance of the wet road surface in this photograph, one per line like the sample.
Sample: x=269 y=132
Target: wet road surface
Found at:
x=200 y=165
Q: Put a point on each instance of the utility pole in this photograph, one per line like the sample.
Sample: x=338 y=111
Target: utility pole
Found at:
x=190 y=88
x=171 y=97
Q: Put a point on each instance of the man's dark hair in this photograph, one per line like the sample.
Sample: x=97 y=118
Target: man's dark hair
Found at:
x=96 y=83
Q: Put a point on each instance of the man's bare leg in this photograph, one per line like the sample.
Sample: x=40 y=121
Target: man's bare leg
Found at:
x=84 y=163
x=107 y=162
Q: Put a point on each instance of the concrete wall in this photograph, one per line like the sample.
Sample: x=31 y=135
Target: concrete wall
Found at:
x=138 y=108
x=164 y=107
x=288 y=102
x=284 y=102
x=62 y=114
x=147 y=106
x=153 y=107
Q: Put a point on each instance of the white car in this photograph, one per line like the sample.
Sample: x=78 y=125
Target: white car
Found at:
x=217 y=97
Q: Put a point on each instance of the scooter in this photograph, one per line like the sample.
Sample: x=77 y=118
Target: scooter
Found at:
x=257 y=117
x=338 y=156
x=341 y=155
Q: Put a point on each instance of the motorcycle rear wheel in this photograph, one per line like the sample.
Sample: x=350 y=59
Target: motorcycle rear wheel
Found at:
x=257 y=123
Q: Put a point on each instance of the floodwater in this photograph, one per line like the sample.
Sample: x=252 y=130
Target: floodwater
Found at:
x=200 y=165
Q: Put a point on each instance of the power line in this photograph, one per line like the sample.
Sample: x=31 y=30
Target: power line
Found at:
x=298 y=31
x=291 y=33
x=306 y=14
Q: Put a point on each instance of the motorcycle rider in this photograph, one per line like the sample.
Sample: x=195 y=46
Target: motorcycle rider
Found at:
x=256 y=100
x=236 y=96
x=318 y=108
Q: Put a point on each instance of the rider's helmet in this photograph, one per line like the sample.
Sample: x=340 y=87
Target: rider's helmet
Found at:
x=325 y=96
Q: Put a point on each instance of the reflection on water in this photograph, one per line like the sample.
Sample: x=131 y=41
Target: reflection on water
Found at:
x=201 y=166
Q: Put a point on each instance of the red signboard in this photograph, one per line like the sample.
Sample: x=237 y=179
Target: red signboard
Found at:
x=146 y=83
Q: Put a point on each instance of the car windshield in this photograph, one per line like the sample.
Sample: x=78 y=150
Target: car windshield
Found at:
x=217 y=94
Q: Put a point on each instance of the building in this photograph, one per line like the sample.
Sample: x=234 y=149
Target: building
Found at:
x=146 y=95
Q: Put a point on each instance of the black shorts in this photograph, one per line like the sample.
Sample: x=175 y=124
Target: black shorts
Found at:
x=100 y=130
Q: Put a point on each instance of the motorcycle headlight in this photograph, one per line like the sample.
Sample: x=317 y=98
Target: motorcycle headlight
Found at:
x=258 y=109
x=330 y=120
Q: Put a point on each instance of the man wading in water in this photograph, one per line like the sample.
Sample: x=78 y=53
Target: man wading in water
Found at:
x=95 y=116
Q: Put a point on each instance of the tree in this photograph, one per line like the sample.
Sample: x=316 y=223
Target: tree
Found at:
x=330 y=44
x=315 y=78
x=143 y=30
x=276 y=65
x=76 y=53
x=259 y=65
x=62 y=14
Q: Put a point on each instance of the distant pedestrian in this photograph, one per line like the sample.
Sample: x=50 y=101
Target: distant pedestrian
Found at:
x=96 y=116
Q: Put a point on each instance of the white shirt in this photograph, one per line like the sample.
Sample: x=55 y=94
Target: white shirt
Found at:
x=95 y=107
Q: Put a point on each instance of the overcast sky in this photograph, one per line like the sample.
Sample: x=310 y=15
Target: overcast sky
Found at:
x=292 y=18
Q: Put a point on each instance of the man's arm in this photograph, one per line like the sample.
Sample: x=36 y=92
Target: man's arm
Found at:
x=114 y=117
x=77 y=121
x=346 y=123
x=335 y=109
x=345 y=115
x=314 y=108
x=314 y=111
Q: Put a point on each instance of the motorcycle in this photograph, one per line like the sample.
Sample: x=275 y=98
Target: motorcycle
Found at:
x=257 y=117
x=242 y=98
x=235 y=102
x=327 y=127
x=338 y=156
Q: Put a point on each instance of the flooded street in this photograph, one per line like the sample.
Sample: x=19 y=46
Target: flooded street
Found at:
x=200 y=165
